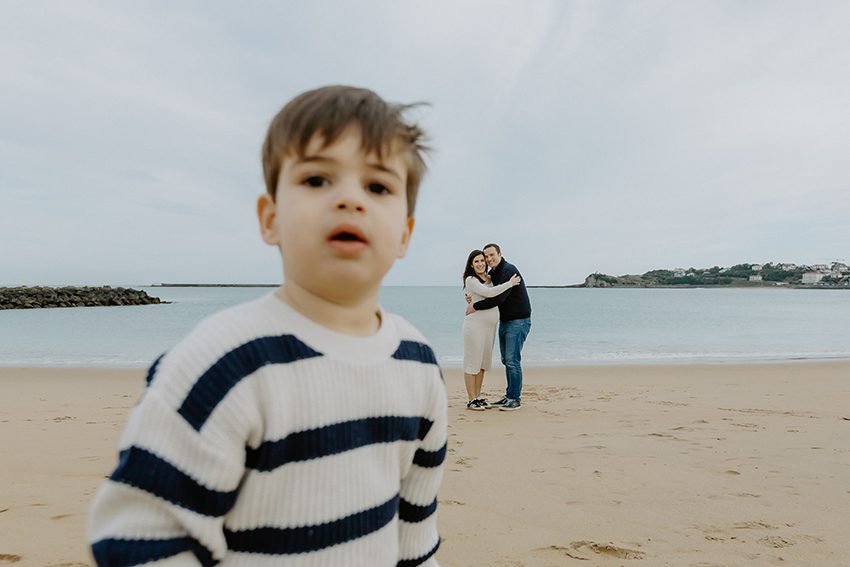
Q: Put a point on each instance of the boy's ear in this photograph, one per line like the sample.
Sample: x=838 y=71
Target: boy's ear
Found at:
x=405 y=237
x=266 y=214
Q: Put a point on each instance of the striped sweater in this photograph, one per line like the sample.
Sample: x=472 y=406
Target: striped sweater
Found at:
x=264 y=438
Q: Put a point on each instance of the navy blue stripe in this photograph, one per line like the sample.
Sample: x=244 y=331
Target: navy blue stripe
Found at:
x=142 y=469
x=419 y=560
x=424 y=427
x=286 y=541
x=152 y=369
x=411 y=350
x=128 y=552
x=335 y=438
x=430 y=459
x=227 y=371
x=414 y=513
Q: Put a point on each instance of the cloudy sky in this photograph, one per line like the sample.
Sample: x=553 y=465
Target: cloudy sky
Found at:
x=582 y=136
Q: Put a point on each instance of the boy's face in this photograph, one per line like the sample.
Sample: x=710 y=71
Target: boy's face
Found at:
x=339 y=217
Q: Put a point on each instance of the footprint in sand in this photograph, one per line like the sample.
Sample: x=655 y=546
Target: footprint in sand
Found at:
x=60 y=516
x=452 y=502
x=747 y=426
x=63 y=418
x=585 y=550
x=775 y=542
x=9 y=558
x=754 y=525
x=68 y=565
x=670 y=404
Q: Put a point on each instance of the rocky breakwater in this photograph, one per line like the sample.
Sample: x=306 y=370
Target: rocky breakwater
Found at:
x=26 y=297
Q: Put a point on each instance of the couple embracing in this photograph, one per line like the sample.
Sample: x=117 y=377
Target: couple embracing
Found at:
x=497 y=295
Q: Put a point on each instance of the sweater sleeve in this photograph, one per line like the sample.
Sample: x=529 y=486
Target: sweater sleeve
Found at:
x=478 y=288
x=174 y=483
x=418 y=537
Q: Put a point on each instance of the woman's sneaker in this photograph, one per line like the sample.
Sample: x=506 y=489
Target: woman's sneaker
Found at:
x=482 y=402
x=474 y=405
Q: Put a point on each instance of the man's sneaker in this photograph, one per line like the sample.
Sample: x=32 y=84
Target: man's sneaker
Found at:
x=482 y=402
x=500 y=403
x=474 y=405
x=510 y=405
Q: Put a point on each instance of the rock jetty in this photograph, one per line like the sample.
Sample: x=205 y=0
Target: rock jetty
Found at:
x=26 y=297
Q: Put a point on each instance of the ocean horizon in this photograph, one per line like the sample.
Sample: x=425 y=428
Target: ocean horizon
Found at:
x=570 y=326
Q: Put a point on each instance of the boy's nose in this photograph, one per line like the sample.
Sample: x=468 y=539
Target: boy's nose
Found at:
x=349 y=196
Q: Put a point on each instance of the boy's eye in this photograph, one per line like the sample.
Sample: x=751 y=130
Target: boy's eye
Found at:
x=315 y=181
x=378 y=188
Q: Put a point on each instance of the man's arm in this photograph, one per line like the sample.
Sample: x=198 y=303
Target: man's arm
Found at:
x=491 y=301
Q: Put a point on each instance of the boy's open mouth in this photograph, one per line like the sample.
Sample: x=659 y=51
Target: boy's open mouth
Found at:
x=346 y=237
x=347 y=233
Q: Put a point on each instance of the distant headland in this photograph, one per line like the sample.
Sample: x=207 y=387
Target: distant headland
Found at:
x=835 y=275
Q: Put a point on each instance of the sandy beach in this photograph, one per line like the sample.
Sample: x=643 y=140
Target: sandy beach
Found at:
x=684 y=465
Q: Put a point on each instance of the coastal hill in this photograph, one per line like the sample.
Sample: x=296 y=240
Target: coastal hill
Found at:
x=834 y=275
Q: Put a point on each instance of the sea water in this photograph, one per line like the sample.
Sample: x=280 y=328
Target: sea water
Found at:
x=569 y=326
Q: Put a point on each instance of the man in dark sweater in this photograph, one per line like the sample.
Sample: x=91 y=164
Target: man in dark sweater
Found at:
x=514 y=323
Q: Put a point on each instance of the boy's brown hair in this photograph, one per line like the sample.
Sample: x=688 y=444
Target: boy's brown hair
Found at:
x=327 y=112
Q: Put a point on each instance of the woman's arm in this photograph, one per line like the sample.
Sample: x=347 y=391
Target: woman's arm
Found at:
x=478 y=288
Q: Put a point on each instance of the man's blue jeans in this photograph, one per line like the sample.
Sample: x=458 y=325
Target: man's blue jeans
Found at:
x=512 y=336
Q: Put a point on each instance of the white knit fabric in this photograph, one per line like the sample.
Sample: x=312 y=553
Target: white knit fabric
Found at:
x=264 y=438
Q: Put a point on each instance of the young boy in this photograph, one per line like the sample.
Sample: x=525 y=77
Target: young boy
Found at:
x=307 y=427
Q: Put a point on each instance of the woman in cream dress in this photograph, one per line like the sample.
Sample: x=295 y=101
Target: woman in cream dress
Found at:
x=479 y=327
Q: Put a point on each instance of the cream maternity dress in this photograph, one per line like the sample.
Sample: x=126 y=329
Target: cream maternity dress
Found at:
x=479 y=327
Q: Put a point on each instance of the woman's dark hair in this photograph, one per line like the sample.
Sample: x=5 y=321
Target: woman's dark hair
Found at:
x=469 y=271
